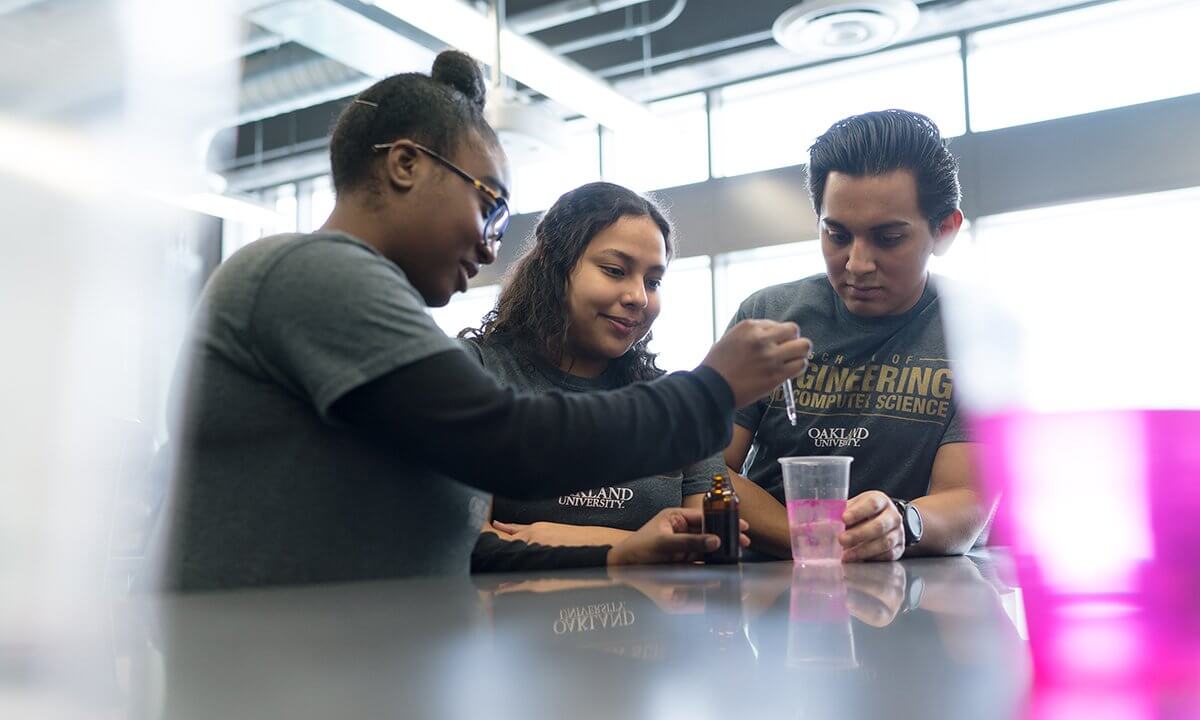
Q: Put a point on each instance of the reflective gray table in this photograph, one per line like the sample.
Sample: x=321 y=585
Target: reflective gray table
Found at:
x=924 y=638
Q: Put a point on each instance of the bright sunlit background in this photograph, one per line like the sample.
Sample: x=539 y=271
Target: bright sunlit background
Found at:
x=1017 y=74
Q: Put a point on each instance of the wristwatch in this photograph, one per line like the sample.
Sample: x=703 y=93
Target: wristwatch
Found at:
x=914 y=528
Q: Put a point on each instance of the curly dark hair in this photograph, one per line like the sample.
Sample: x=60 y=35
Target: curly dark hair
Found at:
x=532 y=309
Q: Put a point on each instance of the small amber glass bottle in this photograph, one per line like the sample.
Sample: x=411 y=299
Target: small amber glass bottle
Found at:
x=721 y=519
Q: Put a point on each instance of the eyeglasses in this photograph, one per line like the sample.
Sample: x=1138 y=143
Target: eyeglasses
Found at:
x=496 y=221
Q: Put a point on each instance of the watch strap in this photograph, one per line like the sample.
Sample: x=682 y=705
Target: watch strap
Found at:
x=910 y=537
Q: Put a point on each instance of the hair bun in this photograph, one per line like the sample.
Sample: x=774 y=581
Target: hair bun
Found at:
x=460 y=71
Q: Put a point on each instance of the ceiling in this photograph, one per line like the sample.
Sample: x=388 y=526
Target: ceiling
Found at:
x=701 y=23
x=722 y=41
x=299 y=60
x=298 y=76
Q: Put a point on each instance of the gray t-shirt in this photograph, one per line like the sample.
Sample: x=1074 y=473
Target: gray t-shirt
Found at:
x=270 y=489
x=627 y=505
x=878 y=389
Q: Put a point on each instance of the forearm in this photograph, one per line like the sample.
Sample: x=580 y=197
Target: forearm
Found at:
x=767 y=518
x=449 y=413
x=952 y=521
x=599 y=535
x=554 y=534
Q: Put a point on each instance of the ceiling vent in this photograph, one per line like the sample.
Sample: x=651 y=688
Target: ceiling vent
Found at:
x=837 y=28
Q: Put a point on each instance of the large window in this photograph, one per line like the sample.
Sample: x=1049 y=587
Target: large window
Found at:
x=237 y=235
x=772 y=122
x=1083 y=306
x=952 y=263
x=301 y=207
x=738 y=275
x=683 y=332
x=321 y=200
x=286 y=205
x=1116 y=54
x=674 y=152
x=538 y=182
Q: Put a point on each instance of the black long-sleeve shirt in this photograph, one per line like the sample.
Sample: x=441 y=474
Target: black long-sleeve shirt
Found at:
x=495 y=554
x=449 y=412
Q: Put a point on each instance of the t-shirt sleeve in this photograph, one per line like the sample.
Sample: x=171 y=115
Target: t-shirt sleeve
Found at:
x=697 y=477
x=332 y=316
x=956 y=428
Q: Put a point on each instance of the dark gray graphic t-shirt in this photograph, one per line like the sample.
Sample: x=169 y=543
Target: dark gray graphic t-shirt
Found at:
x=271 y=490
x=879 y=390
x=625 y=506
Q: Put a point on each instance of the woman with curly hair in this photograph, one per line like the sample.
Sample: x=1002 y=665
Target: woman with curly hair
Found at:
x=575 y=316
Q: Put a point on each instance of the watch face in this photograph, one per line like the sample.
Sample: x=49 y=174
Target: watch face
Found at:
x=913 y=517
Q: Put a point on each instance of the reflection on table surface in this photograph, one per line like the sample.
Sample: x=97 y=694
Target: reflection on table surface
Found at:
x=919 y=638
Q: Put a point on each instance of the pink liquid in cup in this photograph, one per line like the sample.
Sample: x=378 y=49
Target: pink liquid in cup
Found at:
x=815 y=526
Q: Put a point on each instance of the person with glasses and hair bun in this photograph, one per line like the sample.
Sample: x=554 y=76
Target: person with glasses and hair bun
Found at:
x=326 y=430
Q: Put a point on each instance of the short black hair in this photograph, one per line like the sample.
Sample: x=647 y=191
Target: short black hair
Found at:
x=434 y=110
x=877 y=143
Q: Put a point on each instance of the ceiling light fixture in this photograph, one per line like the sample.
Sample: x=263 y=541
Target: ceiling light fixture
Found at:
x=838 y=28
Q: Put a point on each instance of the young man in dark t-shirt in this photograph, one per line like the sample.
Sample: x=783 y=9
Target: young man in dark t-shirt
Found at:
x=880 y=387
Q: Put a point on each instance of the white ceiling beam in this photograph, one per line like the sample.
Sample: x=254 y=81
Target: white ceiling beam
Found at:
x=524 y=59
x=340 y=33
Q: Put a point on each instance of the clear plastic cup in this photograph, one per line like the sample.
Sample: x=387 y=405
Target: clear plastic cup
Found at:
x=816 y=489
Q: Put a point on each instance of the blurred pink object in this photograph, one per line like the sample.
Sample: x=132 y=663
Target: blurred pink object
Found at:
x=1102 y=511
